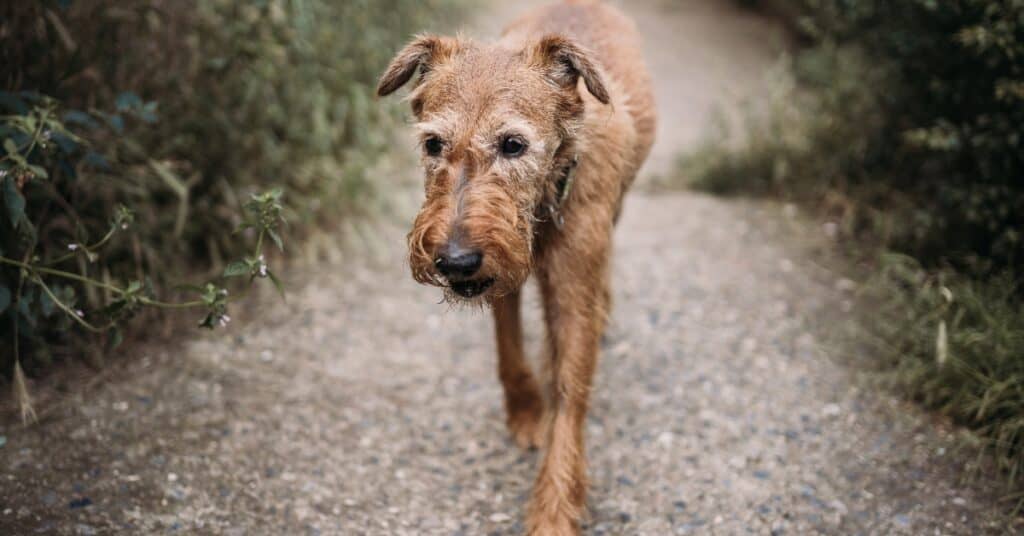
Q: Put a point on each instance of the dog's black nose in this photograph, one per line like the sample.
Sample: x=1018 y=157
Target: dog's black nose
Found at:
x=459 y=263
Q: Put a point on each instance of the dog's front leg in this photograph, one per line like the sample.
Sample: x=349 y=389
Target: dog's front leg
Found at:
x=523 y=403
x=575 y=307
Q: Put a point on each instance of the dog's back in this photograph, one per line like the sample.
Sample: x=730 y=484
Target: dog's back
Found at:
x=616 y=45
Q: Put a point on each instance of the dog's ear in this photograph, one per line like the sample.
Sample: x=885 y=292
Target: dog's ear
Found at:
x=423 y=52
x=567 y=62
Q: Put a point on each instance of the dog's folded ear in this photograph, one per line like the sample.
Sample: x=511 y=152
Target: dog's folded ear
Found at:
x=423 y=52
x=567 y=62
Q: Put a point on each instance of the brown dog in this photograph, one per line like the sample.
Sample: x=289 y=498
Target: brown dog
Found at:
x=529 y=145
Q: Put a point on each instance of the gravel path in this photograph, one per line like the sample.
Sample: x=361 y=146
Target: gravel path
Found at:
x=364 y=407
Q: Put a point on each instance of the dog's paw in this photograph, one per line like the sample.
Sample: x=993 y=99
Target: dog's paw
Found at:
x=528 y=427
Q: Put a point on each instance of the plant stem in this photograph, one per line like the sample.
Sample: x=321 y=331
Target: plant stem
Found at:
x=99 y=244
x=89 y=281
x=61 y=273
x=67 y=310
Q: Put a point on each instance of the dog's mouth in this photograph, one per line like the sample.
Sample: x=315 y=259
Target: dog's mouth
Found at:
x=471 y=288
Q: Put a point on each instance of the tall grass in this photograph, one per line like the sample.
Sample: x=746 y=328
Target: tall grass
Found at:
x=954 y=344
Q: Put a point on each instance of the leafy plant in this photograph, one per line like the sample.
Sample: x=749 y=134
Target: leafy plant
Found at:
x=248 y=100
x=38 y=293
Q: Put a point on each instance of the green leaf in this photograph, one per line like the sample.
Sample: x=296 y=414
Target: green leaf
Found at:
x=276 y=238
x=114 y=339
x=207 y=321
x=46 y=304
x=277 y=284
x=126 y=101
x=5 y=298
x=14 y=201
x=38 y=171
x=235 y=269
x=10 y=146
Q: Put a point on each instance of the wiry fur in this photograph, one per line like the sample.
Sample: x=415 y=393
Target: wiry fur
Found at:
x=569 y=80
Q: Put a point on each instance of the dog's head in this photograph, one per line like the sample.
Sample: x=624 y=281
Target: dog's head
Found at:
x=495 y=126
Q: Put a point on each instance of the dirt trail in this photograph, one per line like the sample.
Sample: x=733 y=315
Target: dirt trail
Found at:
x=363 y=407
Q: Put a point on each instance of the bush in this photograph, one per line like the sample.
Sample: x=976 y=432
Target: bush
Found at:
x=917 y=100
x=903 y=123
x=141 y=134
x=954 y=344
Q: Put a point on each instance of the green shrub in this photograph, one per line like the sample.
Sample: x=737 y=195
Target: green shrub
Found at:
x=954 y=344
x=182 y=113
x=902 y=121
x=902 y=100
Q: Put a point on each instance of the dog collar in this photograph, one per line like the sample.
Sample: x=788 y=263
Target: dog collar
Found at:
x=562 y=189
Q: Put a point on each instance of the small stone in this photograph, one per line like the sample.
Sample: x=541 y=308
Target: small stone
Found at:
x=500 y=518
x=79 y=503
x=839 y=507
x=172 y=477
x=845 y=285
x=831 y=410
x=624 y=517
x=959 y=501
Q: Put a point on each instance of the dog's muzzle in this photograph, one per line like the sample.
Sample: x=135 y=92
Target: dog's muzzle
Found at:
x=471 y=288
x=459 y=265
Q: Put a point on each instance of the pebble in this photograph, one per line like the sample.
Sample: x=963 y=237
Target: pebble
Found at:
x=831 y=410
x=500 y=518
x=79 y=503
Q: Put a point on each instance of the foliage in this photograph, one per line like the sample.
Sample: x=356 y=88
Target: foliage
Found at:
x=903 y=122
x=913 y=121
x=143 y=142
x=954 y=344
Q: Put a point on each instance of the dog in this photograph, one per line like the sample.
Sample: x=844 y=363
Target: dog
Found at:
x=529 y=145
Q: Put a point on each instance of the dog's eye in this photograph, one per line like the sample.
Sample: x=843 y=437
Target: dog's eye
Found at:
x=433 y=146
x=512 y=146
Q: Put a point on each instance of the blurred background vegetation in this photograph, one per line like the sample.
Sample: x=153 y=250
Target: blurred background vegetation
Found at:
x=900 y=123
x=139 y=134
